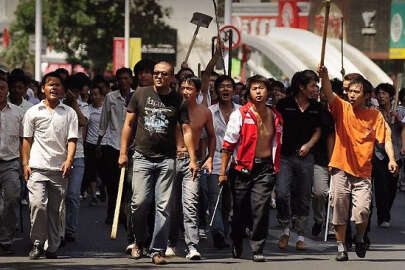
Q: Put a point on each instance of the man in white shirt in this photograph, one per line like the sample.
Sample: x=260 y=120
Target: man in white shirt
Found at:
x=49 y=145
x=10 y=132
x=111 y=123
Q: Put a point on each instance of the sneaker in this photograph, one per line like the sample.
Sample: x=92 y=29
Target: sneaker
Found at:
x=385 y=225
x=193 y=255
x=51 y=255
x=342 y=256
x=300 y=245
x=316 y=229
x=170 y=252
x=361 y=249
x=136 y=253
x=129 y=248
x=8 y=250
x=36 y=252
x=258 y=258
x=158 y=259
x=237 y=250
x=283 y=242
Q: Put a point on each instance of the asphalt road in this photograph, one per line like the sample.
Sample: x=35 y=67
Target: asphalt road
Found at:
x=93 y=250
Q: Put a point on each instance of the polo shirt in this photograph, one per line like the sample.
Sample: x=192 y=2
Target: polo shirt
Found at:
x=298 y=126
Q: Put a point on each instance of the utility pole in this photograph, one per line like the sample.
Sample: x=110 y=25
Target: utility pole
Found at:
x=227 y=21
x=126 y=33
x=38 y=39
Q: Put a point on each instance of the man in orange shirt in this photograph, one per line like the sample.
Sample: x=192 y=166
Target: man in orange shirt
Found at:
x=357 y=130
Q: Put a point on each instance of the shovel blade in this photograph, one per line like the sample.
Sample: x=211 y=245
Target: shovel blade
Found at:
x=201 y=19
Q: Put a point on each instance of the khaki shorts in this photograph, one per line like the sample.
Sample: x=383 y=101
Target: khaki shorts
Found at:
x=345 y=186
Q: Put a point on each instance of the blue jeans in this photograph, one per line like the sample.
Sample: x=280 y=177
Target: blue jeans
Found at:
x=152 y=179
x=185 y=197
x=73 y=195
x=294 y=172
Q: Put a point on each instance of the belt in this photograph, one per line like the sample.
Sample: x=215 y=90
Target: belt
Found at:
x=182 y=154
x=262 y=160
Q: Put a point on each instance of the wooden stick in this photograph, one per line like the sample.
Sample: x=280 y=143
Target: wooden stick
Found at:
x=397 y=88
x=118 y=205
x=192 y=43
x=342 y=71
x=325 y=31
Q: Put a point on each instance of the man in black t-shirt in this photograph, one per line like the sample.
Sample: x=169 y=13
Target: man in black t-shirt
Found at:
x=301 y=131
x=157 y=110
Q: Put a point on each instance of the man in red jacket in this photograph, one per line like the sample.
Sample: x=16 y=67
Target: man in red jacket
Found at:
x=255 y=132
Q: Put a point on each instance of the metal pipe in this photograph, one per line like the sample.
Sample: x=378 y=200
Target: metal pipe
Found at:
x=126 y=33
x=230 y=39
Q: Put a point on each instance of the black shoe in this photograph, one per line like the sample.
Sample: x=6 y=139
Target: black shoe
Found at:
x=342 y=256
x=219 y=241
x=51 y=255
x=258 y=258
x=237 y=250
x=367 y=242
x=36 y=252
x=8 y=250
x=69 y=237
x=316 y=229
x=361 y=249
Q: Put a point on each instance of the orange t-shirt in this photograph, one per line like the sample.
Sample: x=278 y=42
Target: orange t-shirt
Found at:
x=356 y=133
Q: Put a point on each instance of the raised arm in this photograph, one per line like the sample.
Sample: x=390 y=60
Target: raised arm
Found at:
x=326 y=85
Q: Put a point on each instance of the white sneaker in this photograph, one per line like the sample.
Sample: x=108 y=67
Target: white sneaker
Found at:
x=193 y=255
x=129 y=248
x=170 y=252
x=385 y=224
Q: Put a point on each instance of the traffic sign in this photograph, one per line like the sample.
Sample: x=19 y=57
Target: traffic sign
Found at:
x=236 y=40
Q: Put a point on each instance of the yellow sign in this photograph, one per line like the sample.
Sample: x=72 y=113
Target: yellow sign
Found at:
x=397 y=53
x=135 y=51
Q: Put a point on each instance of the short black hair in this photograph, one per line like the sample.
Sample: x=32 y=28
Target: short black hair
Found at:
x=99 y=79
x=222 y=78
x=18 y=78
x=192 y=79
x=276 y=84
x=386 y=87
x=122 y=71
x=144 y=65
x=17 y=72
x=50 y=74
x=62 y=71
x=258 y=79
x=365 y=84
x=302 y=78
x=77 y=81
x=4 y=80
x=179 y=73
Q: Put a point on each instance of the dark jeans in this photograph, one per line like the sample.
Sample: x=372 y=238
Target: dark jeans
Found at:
x=251 y=200
x=110 y=175
x=385 y=188
x=92 y=166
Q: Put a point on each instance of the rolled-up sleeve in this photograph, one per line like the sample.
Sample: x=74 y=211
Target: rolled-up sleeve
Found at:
x=73 y=129
x=28 y=124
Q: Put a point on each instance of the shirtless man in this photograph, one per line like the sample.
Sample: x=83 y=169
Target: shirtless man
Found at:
x=186 y=185
x=255 y=130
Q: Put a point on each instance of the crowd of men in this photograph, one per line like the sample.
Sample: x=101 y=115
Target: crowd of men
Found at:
x=198 y=151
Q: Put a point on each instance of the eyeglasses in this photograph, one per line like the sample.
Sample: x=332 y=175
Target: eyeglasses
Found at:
x=163 y=73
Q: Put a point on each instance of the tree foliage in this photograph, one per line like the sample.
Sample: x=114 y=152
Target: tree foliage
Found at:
x=85 y=29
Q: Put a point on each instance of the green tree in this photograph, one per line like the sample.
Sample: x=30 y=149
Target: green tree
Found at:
x=85 y=29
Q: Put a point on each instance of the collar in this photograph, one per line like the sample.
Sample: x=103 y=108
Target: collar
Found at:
x=42 y=105
x=215 y=107
x=8 y=105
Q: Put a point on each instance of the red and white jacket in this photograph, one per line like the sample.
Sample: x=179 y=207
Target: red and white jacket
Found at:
x=241 y=134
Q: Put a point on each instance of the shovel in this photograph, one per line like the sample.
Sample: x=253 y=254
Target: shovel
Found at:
x=201 y=20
